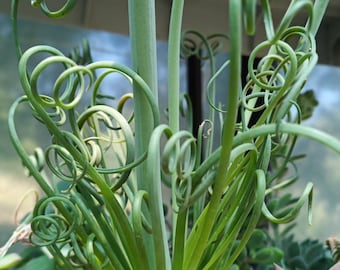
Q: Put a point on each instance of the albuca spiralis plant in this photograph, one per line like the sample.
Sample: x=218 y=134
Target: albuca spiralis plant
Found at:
x=103 y=172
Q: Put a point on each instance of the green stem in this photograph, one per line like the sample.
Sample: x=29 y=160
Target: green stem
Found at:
x=319 y=10
x=173 y=63
x=14 y=15
x=179 y=240
x=179 y=233
x=98 y=227
x=204 y=230
x=144 y=60
x=153 y=173
x=289 y=128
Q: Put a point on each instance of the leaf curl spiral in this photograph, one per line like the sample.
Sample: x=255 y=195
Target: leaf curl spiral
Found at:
x=48 y=226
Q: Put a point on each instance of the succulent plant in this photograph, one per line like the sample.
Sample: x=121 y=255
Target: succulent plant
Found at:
x=306 y=255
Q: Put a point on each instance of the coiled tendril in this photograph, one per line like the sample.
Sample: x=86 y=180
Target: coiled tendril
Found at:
x=92 y=148
x=49 y=226
x=65 y=9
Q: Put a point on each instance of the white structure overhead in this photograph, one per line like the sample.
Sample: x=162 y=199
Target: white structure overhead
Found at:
x=207 y=16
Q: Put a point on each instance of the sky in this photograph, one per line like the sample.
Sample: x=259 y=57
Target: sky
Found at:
x=321 y=166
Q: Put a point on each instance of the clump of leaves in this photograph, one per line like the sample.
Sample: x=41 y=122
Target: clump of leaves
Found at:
x=259 y=252
x=306 y=255
x=263 y=251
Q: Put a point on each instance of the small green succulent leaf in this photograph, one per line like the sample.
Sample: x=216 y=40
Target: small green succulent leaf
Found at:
x=307 y=102
x=287 y=229
x=243 y=255
x=273 y=204
x=314 y=253
x=234 y=267
x=297 y=262
x=323 y=264
x=285 y=200
x=257 y=239
x=268 y=255
x=294 y=250
x=41 y=263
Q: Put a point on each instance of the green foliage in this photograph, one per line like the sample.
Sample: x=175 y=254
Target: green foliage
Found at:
x=259 y=252
x=42 y=262
x=263 y=251
x=29 y=258
x=103 y=171
x=307 y=255
x=307 y=103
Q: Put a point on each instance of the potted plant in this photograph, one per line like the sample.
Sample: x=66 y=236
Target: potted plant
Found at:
x=103 y=172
